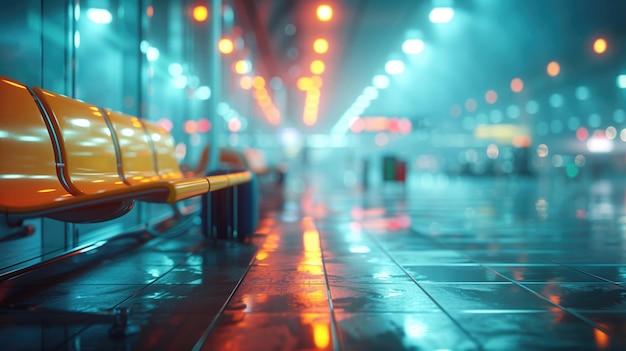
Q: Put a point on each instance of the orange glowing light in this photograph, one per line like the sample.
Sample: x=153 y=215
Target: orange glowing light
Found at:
x=600 y=46
x=304 y=83
x=602 y=339
x=241 y=67
x=320 y=46
x=226 y=46
x=517 y=85
x=553 y=69
x=150 y=11
x=321 y=335
x=491 y=97
x=245 y=82
x=318 y=67
x=324 y=13
x=200 y=13
x=258 y=83
x=190 y=127
x=316 y=82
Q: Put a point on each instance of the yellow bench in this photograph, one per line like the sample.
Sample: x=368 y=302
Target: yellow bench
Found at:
x=73 y=161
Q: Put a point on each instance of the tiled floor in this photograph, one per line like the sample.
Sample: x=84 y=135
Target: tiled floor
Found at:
x=454 y=264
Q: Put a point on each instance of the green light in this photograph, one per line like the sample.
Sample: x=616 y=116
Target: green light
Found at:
x=571 y=170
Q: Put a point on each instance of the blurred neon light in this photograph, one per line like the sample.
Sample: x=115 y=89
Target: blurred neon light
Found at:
x=441 y=14
x=203 y=93
x=100 y=16
x=324 y=13
x=491 y=97
x=175 y=69
x=517 y=85
x=600 y=46
x=553 y=69
x=200 y=13
x=152 y=54
x=599 y=143
x=381 y=81
x=621 y=81
x=226 y=46
x=413 y=46
x=320 y=46
x=394 y=67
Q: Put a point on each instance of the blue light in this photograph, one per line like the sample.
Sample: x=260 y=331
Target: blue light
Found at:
x=621 y=81
x=413 y=46
x=582 y=93
x=381 y=81
x=394 y=67
x=100 y=16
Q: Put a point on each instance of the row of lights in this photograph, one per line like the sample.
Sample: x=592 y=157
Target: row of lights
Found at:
x=411 y=46
x=312 y=85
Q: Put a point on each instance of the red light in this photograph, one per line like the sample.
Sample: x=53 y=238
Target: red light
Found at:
x=150 y=11
x=204 y=125
x=582 y=134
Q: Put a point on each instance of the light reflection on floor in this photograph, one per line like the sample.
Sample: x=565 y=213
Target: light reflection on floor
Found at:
x=466 y=264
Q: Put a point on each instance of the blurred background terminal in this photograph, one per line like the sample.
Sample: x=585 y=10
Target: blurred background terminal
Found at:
x=351 y=96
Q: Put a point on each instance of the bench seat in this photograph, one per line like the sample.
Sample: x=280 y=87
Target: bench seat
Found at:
x=70 y=160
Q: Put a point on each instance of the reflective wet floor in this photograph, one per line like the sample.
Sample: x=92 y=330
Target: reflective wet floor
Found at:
x=438 y=264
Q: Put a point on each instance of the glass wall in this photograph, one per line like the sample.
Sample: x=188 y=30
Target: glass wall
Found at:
x=151 y=59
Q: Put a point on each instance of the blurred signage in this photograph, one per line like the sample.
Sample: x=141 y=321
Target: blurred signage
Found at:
x=381 y=124
x=516 y=135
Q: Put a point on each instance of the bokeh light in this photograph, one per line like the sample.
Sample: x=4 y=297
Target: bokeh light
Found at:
x=226 y=46
x=491 y=97
x=553 y=69
x=200 y=13
x=320 y=46
x=324 y=13
x=600 y=46
x=517 y=85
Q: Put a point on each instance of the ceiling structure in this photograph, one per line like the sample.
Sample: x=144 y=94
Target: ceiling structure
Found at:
x=485 y=45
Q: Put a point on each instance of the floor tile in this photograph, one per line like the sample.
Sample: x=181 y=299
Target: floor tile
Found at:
x=584 y=296
x=548 y=273
x=282 y=298
x=449 y=274
x=365 y=297
x=401 y=331
x=504 y=296
x=535 y=331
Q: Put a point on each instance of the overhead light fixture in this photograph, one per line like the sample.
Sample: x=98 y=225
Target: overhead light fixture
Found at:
x=441 y=14
x=394 y=67
x=100 y=16
x=413 y=46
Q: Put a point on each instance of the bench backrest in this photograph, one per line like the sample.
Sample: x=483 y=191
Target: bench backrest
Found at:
x=165 y=151
x=26 y=150
x=137 y=161
x=88 y=154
